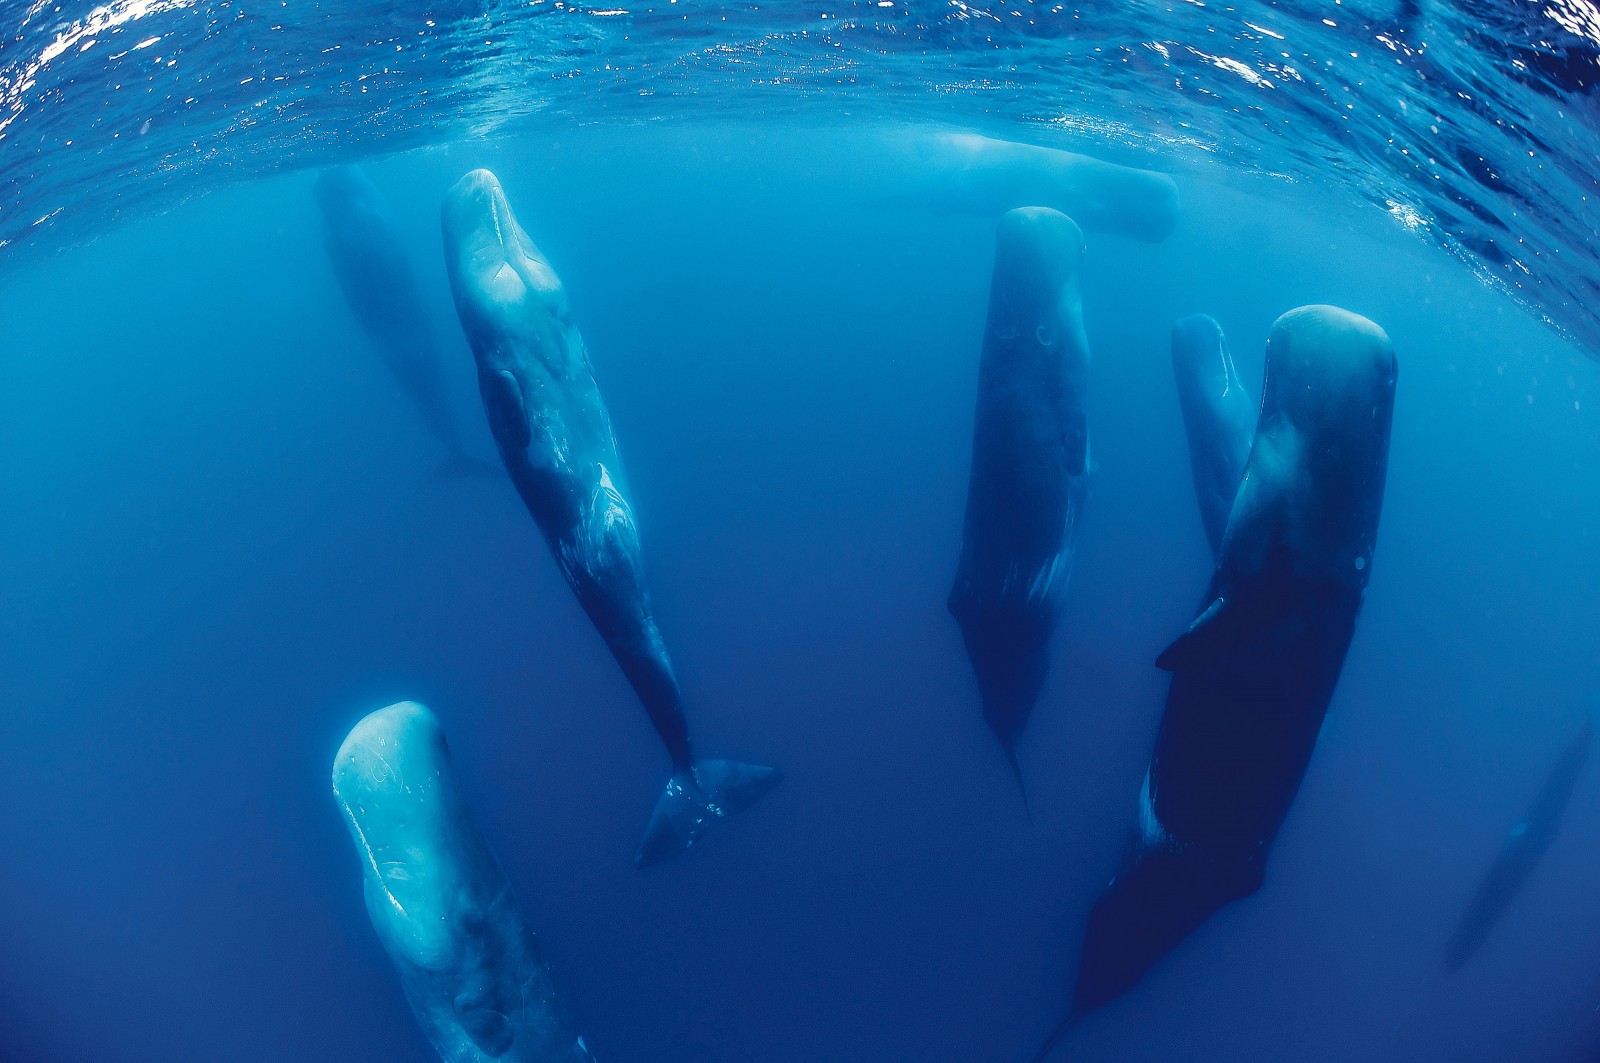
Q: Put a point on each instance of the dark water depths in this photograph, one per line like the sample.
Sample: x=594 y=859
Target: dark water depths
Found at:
x=221 y=547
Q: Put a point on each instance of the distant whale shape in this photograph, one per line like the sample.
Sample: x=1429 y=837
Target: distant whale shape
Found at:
x=1524 y=847
x=471 y=969
x=971 y=174
x=1030 y=465
x=555 y=437
x=381 y=289
x=1218 y=416
x=1253 y=674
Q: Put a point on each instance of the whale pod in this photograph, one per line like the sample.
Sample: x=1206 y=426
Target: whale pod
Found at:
x=554 y=433
x=471 y=969
x=1252 y=675
x=1030 y=465
x=1218 y=416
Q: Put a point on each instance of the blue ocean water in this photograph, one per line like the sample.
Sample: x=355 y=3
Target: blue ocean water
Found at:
x=221 y=544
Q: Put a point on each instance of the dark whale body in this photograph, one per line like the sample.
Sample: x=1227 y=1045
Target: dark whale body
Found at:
x=1253 y=674
x=1030 y=463
x=1524 y=847
x=382 y=291
x=1218 y=416
x=554 y=433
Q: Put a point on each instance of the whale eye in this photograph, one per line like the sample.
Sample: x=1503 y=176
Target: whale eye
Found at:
x=1044 y=335
x=1361 y=564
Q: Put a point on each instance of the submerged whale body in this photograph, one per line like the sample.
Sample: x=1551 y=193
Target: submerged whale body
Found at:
x=381 y=289
x=555 y=437
x=470 y=967
x=1030 y=464
x=1218 y=417
x=1524 y=847
x=1253 y=674
x=971 y=174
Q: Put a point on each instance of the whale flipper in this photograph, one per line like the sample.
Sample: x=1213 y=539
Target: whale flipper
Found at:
x=507 y=412
x=1201 y=640
x=710 y=790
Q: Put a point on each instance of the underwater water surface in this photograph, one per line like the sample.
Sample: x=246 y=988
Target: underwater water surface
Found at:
x=223 y=544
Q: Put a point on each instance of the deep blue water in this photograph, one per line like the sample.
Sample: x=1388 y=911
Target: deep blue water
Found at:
x=221 y=547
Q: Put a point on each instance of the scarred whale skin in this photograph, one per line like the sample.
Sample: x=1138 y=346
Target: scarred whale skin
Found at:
x=554 y=433
x=1030 y=465
x=381 y=288
x=471 y=969
x=1218 y=416
x=1253 y=674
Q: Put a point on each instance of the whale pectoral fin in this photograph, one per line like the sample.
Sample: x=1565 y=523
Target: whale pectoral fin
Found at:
x=489 y=1029
x=508 y=414
x=1201 y=641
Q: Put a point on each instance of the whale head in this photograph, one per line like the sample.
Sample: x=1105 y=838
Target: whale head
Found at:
x=1038 y=255
x=1330 y=373
x=393 y=781
x=339 y=187
x=500 y=280
x=1200 y=354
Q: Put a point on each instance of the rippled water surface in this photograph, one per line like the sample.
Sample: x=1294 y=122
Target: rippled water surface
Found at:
x=1473 y=122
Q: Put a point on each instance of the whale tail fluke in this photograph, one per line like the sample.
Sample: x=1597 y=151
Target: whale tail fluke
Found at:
x=462 y=466
x=693 y=798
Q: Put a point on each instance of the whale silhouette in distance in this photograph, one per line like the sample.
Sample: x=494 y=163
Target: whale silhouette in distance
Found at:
x=381 y=288
x=1523 y=849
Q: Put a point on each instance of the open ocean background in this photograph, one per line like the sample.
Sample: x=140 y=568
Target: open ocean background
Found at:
x=220 y=544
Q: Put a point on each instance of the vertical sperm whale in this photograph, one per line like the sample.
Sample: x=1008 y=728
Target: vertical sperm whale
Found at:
x=1253 y=674
x=1524 y=847
x=1030 y=465
x=1217 y=415
x=382 y=291
x=554 y=434
x=471 y=969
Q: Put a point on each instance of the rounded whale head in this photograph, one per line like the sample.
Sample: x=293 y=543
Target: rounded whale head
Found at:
x=1200 y=352
x=338 y=187
x=496 y=273
x=1039 y=249
x=1323 y=365
x=393 y=780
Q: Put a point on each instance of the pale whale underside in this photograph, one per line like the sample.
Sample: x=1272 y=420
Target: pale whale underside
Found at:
x=472 y=970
